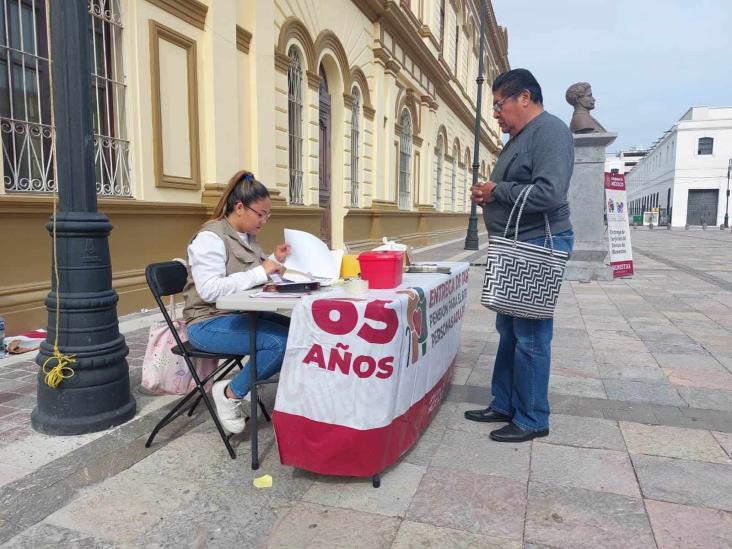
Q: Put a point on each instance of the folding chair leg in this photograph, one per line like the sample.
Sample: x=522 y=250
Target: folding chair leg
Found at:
x=220 y=429
x=264 y=410
x=170 y=416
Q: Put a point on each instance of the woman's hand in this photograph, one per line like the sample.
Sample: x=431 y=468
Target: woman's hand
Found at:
x=281 y=252
x=272 y=267
x=482 y=193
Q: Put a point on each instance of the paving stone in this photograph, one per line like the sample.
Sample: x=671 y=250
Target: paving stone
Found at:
x=38 y=449
x=630 y=372
x=415 y=534
x=675 y=442
x=699 y=397
x=694 y=483
x=124 y=507
x=561 y=516
x=460 y=375
x=584 y=432
x=424 y=450
x=695 y=375
x=594 y=469
x=725 y=440
x=676 y=361
x=625 y=358
x=48 y=536
x=398 y=486
x=635 y=391
x=314 y=526
x=464 y=451
x=683 y=526
x=480 y=504
x=577 y=386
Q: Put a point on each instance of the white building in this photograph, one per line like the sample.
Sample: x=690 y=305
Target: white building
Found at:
x=624 y=161
x=684 y=174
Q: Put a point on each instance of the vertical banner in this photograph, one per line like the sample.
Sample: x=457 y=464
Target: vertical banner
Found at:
x=618 y=232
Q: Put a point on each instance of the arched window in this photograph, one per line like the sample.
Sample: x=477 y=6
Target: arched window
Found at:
x=453 y=190
x=438 y=172
x=706 y=145
x=355 y=144
x=405 y=160
x=467 y=181
x=294 y=125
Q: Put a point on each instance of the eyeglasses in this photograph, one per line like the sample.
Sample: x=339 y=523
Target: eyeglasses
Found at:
x=261 y=215
x=498 y=105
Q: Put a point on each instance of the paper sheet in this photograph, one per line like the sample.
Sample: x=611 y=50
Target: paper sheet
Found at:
x=310 y=257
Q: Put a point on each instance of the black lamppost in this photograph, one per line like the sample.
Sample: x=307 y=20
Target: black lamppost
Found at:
x=726 y=208
x=97 y=395
x=471 y=238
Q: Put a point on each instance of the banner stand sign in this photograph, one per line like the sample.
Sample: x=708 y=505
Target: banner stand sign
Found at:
x=618 y=231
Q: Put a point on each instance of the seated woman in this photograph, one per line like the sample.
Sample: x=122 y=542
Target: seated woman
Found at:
x=224 y=258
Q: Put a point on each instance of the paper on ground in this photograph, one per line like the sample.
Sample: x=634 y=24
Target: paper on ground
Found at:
x=265 y=481
x=310 y=256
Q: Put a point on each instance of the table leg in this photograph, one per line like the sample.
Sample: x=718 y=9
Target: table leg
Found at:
x=376 y=481
x=254 y=394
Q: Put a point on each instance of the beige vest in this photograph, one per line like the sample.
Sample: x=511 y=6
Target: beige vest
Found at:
x=240 y=257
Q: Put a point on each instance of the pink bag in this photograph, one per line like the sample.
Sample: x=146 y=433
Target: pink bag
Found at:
x=164 y=372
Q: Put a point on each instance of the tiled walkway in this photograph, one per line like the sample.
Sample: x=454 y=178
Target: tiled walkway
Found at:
x=639 y=453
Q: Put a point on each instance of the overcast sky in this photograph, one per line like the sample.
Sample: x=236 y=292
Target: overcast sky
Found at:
x=648 y=60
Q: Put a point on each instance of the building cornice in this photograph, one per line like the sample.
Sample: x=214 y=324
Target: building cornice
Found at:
x=190 y=11
x=243 y=38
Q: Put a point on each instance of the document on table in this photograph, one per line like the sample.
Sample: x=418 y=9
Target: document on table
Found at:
x=310 y=258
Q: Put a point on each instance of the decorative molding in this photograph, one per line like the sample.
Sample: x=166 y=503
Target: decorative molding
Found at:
x=417 y=141
x=425 y=32
x=159 y=32
x=243 y=38
x=294 y=29
x=377 y=204
x=369 y=112
x=393 y=67
x=327 y=40
x=348 y=101
x=381 y=54
x=190 y=11
x=313 y=79
x=358 y=77
x=282 y=62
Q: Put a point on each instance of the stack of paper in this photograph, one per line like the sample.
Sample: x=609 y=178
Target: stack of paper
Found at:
x=310 y=259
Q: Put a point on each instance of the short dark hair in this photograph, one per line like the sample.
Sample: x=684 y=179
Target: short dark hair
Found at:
x=515 y=81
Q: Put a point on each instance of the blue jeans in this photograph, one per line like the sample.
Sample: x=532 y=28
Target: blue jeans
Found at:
x=229 y=334
x=520 y=384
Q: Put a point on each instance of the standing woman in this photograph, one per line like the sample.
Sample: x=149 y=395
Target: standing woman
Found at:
x=224 y=258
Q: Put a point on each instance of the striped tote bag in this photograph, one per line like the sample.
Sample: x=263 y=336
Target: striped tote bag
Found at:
x=522 y=279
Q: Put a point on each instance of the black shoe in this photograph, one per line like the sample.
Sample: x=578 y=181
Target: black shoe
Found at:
x=487 y=415
x=514 y=433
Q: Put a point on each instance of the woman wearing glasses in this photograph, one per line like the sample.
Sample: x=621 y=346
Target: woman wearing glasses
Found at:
x=224 y=258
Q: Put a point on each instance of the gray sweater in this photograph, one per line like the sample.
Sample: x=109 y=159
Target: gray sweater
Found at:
x=543 y=154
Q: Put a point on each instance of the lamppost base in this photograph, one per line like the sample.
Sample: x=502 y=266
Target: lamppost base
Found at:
x=53 y=423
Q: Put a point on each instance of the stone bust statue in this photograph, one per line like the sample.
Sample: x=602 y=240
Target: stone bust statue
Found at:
x=579 y=95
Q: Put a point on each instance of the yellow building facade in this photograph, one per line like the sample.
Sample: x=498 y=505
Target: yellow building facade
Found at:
x=357 y=115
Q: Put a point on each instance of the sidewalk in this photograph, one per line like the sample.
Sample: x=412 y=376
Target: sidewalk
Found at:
x=638 y=455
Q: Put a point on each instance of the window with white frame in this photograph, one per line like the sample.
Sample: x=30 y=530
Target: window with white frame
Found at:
x=405 y=160
x=25 y=98
x=294 y=125
x=439 y=148
x=465 y=179
x=706 y=145
x=355 y=144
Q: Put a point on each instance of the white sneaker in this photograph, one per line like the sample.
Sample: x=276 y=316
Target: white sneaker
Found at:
x=231 y=412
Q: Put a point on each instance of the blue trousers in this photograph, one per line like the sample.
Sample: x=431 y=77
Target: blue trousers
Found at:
x=230 y=334
x=520 y=383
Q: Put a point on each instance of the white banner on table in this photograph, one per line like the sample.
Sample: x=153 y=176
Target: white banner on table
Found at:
x=362 y=376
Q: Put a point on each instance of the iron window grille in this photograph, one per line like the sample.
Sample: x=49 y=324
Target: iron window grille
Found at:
x=405 y=160
x=25 y=99
x=355 y=143
x=294 y=125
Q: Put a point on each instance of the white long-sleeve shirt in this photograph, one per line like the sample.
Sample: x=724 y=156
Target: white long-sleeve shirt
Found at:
x=207 y=259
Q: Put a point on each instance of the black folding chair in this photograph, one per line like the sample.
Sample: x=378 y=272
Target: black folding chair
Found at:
x=166 y=279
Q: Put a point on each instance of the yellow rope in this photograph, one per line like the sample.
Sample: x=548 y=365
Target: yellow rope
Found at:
x=61 y=371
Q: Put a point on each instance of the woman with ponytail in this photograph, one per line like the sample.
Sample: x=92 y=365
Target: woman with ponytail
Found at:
x=224 y=258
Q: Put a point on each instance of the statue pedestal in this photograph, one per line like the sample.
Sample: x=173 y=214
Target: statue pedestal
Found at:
x=587 y=209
